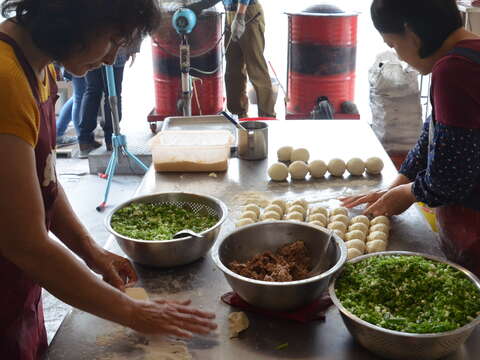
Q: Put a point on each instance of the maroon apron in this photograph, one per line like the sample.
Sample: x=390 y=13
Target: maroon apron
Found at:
x=22 y=329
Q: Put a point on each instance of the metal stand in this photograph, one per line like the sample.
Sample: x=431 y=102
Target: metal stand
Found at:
x=185 y=103
x=119 y=141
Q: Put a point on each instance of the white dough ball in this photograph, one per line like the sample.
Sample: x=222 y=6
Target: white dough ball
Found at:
x=337 y=225
x=340 y=217
x=355 y=234
x=360 y=219
x=356 y=166
x=316 y=223
x=336 y=167
x=340 y=234
x=298 y=208
x=278 y=172
x=377 y=235
x=281 y=203
x=300 y=154
x=249 y=215
x=352 y=253
x=274 y=207
x=376 y=246
x=340 y=211
x=317 y=168
x=284 y=153
x=359 y=226
x=374 y=165
x=318 y=217
x=356 y=244
x=295 y=216
x=380 y=220
x=301 y=202
x=319 y=210
x=243 y=222
x=298 y=170
x=271 y=215
x=252 y=207
x=380 y=227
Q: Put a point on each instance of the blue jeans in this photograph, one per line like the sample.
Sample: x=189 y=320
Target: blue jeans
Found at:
x=71 y=109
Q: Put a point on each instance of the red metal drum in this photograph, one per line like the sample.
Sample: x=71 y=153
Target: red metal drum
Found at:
x=206 y=55
x=321 y=58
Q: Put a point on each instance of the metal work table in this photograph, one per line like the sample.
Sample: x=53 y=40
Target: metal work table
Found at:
x=85 y=337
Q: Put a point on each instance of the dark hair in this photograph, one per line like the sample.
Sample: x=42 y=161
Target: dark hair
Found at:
x=431 y=20
x=59 y=27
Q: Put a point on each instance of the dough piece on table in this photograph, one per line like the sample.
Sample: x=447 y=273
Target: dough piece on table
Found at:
x=137 y=293
x=360 y=219
x=356 y=166
x=298 y=170
x=376 y=246
x=359 y=226
x=352 y=253
x=337 y=225
x=317 y=168
x=295 y=216
x=340 y=217
x=274 y=207
x=318 y=217
x=377 y=235
x=252 y=207
x=356 y=244
x=298 y=208
x=244 y=222
x=271 y=215
x=336 y=167
x=380 y=220
x=340 y=211
x=278 y=172
x=340 y=234
x=374 y=165
x=355 y=234
x=300 y=154
x=284 y=153
x=249 y=215
x=380 y=227
x=316 y=223
x=319 y=210
x=281 y=203
x=237 y=322
x=301 y=202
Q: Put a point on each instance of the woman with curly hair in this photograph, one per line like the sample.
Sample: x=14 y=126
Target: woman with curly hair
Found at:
x=81 y=35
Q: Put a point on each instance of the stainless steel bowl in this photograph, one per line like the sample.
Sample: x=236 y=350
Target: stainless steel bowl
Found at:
x=248 y=241
x=391 y=344
x=168 y=253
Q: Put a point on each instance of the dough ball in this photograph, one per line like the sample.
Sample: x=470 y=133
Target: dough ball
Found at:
x=243 y=222
x=249 y=215
x=380 y=220
x=274 y=207
x=271 y=215
x=317 y=168
x=356 y=244
x=340 y=234
x=252 y=207
x=319 y=210
x=281 y=203
x=360 y=219
x=377 y=235
x=316 y=223
x=352 y=253
x=300 y=154
x=355 y=234
x=278 y=172
x=340 y=217
x=380 y=227
x=237 y=322
x=340 y=211
x=301 y=202
x=376 y=246
x=318 y=217
x=298 y=208
x=295 y=216
x=356 y=166
x=337 y=225
x=336 y=167
x=359 y=226
x=374 y=165
x=284 y=153
x=298 y=170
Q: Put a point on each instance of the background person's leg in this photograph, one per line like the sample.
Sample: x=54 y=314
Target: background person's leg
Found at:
x=63 y=120
x=78 y=91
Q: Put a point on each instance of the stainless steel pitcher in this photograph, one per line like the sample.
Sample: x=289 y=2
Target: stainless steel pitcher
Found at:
x=253 y=141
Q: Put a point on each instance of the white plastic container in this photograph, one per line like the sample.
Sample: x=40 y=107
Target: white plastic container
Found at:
x=191 y=151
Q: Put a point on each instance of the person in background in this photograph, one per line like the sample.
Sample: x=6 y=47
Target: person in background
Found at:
x=443 y=169
x=245 y=42
x=80 y=35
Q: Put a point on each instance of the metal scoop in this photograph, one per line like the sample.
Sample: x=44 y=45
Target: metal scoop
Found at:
x=187 y=233
x=317 y=269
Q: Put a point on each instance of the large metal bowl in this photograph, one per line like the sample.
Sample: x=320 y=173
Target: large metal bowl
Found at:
x=390 y=344
x=168 y=253
x=248 y=241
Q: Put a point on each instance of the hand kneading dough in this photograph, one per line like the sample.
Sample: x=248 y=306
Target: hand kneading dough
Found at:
x=295 y=216
x=355 y=234
x=359 y=226
x=356 y=166
x=317 y=168
x=380 y=220
x=249 y=215
x=377 y=235
x=274 y=207
x=319 y=210
x=376 y=246
x=278 y=172
x=318 y=217
x=352 y=253
x=280 y=203
x=298 y=208
x=237 y=322
x=298 y=170
x=300 y=154
x=340 y=211
x=336 y=167
x=284 y=153
x=360 y=219
x=252 y=207
x=271 y=215
x=337 y=225
x=356 y=244
x=340 y=217
x=244 y=222
x=380 y=227
x=374 y=165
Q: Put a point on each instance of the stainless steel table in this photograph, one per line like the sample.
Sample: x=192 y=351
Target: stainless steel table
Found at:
x=85 y=337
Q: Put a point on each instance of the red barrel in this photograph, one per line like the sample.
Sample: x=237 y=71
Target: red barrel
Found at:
x=206 y=55
x=322 y=44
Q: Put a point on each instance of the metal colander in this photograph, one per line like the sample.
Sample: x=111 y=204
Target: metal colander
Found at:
x=167 y=253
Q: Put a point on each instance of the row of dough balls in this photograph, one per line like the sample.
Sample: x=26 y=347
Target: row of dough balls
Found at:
x=299 y=169
x=365 y=236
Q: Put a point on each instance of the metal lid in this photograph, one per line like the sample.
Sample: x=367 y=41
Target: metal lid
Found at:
x=323 y=10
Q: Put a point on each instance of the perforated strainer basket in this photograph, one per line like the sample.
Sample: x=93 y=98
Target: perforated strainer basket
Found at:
x=168 y=253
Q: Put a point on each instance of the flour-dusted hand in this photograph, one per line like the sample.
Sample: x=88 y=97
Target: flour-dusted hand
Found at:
x=394 y=202
x=369 y=199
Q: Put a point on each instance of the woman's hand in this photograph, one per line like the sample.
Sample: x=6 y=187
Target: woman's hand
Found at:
x=393 y=202
x=369 y=199
x=170 y=318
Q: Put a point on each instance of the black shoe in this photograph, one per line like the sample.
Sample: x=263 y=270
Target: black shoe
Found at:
x=109 y=146
x=87 y=148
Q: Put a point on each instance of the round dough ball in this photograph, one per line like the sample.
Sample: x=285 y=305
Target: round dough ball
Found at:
x=301 y=202
x=317 y=168
x=295 y=216
x=243 y=222
x=319 y=210
x=274 y=207
x=271 y=215
x=352 y=253
x=249 y=215
x=377 y=235
x=281 y=203
x=340 y=217
x=360 y=219
x=278 y=172
x=359 y=226
x=298 y=170
x=337 y=225
x=374 y=165
x=298 y=208
x=316 y=223
x=380 y=227
x=356 y=244
x=252 y=207
x=376 y=246
x=340 y=234
x=336 y=167
x=300 y=154
x=340 y=211
x=318 y=217
x=380 y=220
x=355 y=234
x=284 y=153
x=356 y=166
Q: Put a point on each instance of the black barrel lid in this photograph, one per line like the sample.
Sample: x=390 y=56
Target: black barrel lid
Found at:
x=323 y=9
